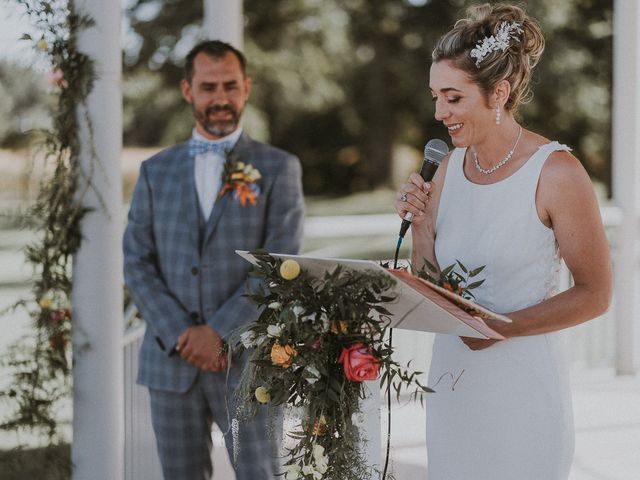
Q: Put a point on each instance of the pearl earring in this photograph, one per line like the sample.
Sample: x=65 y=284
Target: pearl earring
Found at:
x=498 y=113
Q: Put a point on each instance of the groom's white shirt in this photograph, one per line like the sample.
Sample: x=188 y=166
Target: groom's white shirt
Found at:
x=208 y=171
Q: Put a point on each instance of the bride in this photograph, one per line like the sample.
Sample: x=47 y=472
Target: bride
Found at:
x=516 y=202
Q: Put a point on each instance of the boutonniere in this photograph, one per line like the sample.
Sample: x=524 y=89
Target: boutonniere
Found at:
x=240 y=178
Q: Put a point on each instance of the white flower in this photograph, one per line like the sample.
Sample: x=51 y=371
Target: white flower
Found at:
x=357 y=418
x=318 y=451
x=252 y=173
x=322 y=465
x=292 y=472
x=275 y=305
x=298 y=311
x=325 y=322
x=274 y=330
x=248 y=339
x=321 y=460
x=310 y=470
x=312 y=374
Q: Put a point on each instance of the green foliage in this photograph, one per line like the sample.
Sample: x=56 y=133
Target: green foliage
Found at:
x=450 y=279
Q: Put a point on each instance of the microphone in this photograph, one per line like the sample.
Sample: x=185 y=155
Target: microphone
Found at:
x=434 y=151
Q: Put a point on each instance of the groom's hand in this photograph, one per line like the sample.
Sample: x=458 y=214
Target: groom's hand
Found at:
x=203 y=347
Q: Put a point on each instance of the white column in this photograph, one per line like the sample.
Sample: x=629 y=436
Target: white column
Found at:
x=626 y=180
x=223 y=21
x=98 y=397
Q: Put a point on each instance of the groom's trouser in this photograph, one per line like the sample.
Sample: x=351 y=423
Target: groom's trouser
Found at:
x=182 y=425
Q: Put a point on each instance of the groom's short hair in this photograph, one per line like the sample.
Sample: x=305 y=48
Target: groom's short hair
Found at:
x=214 y=49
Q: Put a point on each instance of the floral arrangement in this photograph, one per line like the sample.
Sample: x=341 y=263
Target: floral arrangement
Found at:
x=240 y=178
x=314 y=343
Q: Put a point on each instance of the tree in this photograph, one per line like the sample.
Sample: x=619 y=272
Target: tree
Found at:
x=341 y=82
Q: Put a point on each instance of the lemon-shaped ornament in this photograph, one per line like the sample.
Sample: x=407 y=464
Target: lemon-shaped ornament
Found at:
x=262 y=395
x=289 y=269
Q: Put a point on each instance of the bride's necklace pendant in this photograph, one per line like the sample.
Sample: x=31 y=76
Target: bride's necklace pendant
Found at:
x=489 y=171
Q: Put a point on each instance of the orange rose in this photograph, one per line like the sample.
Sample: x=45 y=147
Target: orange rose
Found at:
x=359 y=364
x=343 y=327
x=282 y=355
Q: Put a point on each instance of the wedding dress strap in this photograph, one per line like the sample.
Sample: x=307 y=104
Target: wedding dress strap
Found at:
x=538 y=159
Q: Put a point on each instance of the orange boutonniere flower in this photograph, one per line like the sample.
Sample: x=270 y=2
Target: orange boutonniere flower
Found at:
x=240 y=179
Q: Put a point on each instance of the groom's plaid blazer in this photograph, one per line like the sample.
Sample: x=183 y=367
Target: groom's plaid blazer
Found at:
x=181 y=271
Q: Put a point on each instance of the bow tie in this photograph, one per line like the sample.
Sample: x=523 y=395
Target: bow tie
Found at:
x=200 y=147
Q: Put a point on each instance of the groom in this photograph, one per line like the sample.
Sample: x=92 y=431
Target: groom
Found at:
x=186 y=219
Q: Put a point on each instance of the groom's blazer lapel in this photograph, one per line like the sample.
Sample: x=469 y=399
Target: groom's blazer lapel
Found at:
x=218 y=209
x=188 y=209
x=242 y=151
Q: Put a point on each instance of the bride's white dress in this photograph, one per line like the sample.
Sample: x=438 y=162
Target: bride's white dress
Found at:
x=509 y=416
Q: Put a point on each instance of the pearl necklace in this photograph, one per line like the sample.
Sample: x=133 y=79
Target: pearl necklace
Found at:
x=489 y=171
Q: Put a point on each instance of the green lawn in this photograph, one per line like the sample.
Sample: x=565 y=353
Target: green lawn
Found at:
x=364 y=203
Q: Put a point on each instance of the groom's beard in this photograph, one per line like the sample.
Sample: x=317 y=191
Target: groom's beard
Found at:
x=219 y=127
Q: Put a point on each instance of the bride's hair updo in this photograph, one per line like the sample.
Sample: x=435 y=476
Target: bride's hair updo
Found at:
x=513 y=64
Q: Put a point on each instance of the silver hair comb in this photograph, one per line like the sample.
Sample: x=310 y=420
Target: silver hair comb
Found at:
x=499 y=41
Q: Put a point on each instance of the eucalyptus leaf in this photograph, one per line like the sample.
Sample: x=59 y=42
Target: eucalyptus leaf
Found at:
x=475 y=284
x=447 y=270
x=476 y=271
x=462 y=267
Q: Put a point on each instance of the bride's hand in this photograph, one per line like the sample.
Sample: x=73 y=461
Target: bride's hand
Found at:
x=481 y=344
x=478 y=343
x=413 y=197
